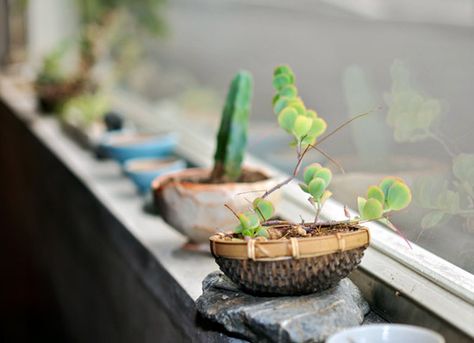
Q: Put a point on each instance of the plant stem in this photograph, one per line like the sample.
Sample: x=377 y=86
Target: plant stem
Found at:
x=442 y=142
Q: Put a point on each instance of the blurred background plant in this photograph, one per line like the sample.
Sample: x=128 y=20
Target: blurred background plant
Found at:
x=109 y=35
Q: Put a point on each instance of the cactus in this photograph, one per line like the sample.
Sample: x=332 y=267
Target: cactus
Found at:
x=232 y=135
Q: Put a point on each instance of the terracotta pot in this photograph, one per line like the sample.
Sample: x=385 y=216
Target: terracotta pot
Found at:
x=197 y=209
x=290 y=266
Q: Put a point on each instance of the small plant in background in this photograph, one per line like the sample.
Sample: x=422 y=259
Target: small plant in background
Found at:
x=85 y=109
x=306 y=128
x=415 y=117
x=232 y=134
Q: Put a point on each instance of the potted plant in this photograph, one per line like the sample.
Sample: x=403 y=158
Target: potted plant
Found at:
x=265 y=256
x=100 y=35
x=54 y=86
x=191 y=200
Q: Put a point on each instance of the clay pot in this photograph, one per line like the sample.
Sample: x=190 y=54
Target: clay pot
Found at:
x=196 y=209
x=124 y=145
x=292 y=266
x=142 y=171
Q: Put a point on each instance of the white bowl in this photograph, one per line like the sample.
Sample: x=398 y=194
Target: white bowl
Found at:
x=386 y=333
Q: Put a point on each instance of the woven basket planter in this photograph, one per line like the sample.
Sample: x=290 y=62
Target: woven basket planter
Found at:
x=292 y=266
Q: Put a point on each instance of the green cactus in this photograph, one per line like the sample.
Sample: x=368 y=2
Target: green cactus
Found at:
x=232 y=135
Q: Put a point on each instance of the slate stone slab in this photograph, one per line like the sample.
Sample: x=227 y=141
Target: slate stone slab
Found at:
x=309 y=318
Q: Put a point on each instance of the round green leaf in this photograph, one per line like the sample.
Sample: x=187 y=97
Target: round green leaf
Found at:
x=298 y=105
x=309 y=172
x=301 y=126
x=386 y=183
x=316 y=188
x=281 y=81
x=263 y=208
x=373 y=209
x=289 y=91
x=399 y=196
x=360 y=204
x=287 y=118
x=311 y=114
x=282 y=69
x=376 y=193
x=318 y=127
x=325 y=174
x=280 y=104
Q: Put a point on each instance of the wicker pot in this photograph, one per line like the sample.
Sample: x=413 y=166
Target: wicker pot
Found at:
x=292 y=266
x=197 y=209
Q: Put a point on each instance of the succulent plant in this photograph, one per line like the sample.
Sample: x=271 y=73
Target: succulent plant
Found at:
x=445 y=199
x=305 y=126
x=85 y=109
x=293 y=117
x=392 y=194
x=250 y=222
x=232 y=135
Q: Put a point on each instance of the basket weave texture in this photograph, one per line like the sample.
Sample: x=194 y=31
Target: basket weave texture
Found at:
x=291 y=276
x=273 y=267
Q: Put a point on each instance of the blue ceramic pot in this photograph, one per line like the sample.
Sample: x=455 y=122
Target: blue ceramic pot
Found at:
x=143 y=171
x=125 y=145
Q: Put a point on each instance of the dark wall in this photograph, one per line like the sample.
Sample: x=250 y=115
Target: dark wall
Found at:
x=69 y=269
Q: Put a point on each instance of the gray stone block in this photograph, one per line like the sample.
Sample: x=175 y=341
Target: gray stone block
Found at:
x=309 y=318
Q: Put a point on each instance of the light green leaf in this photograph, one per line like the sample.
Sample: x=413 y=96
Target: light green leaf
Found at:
x=280 y=104
x=318 y=127
x=281 y=81
x=386 y=183
x=376 y=193
x=432 y=219
x=301 y=126
x=316 y=188
x=289 y=91
x=373 y=209
x=399 y=196
x=263 y=208
x=287 y=118
x=360 y=204
x=325 y=174
x=309 y=172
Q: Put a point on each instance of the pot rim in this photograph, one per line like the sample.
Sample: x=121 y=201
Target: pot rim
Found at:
x=175 y=178
x=293 y=248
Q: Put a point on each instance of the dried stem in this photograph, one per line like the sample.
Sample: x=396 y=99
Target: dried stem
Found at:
x=302 y=154
x=232 y=210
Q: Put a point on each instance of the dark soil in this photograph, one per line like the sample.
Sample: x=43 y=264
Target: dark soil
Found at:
x=284 y=230
x=247 y=176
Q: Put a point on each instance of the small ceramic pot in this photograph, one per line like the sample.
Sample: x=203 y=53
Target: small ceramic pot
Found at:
x=125 y=145
x=292 y=266
x=386 y=333
x=143 y=171
x=197 y=209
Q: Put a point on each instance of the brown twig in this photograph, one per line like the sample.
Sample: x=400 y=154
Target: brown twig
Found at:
x=230 y=209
